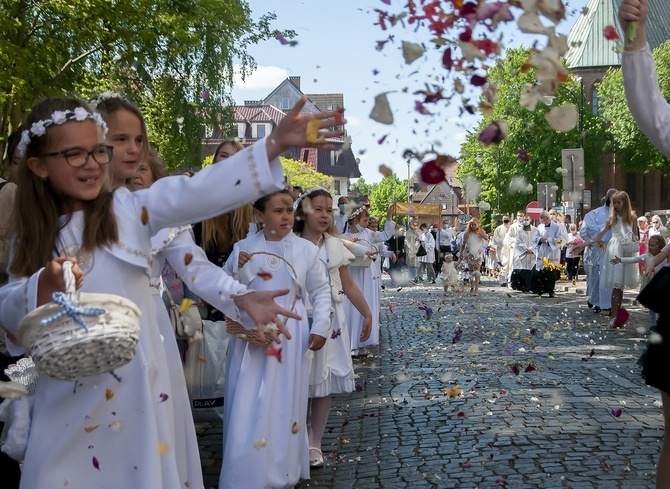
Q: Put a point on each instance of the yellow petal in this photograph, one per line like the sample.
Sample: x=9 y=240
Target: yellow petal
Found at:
x=313 y=127
x=186 y=304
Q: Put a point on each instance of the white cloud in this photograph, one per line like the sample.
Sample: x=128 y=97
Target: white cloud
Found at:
x=264 y=77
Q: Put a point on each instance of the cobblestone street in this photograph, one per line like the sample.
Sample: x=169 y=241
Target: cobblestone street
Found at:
x=501 y=390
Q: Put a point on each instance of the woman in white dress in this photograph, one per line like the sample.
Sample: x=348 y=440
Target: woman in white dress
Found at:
x=617 y=276
x=472 y=252
x=106 y=433
x=362 y=274
x=265 y=441
x=332 y=371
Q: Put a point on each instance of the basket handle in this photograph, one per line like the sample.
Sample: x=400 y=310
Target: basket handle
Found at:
x=70 y=282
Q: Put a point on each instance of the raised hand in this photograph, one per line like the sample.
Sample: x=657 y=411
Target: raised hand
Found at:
x=292 y=130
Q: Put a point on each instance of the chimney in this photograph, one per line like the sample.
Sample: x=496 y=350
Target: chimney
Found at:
x=295 y=80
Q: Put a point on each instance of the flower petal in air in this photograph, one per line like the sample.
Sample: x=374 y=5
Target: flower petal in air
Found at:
x=563 y=118
x=381 y=112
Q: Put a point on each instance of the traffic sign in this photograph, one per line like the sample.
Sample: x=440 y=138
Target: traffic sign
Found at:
x=534 y=210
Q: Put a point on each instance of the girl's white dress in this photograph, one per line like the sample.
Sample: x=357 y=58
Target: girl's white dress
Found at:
x=620 y=275
x=202 y=277
x=365 y=279
x=332 y=371
x=264 y=435
x=101 y=433
x=448 y=276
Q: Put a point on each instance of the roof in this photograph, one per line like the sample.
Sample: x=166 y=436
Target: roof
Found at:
x=588 y=46
x=258 y=113
x=325 y=100
x=346 y=166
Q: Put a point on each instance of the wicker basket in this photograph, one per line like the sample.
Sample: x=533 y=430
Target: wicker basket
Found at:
x=251 y=335
x=365 y=260
x=79 y=335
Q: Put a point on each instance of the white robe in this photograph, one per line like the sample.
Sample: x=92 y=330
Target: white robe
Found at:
x=267 y=400
x=524 y=248
x=645 y=100
x=134 y=442
x=594 y=256
x=364 y=278
x=551 y=249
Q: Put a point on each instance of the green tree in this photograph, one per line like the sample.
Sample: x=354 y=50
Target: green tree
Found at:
x=382 y=194
x=300 y=174
x=174 y=59
x=502 y=166
x=635 y=152
x=361 y=187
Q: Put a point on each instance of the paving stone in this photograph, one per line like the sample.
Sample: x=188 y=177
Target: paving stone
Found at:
x=503 y=428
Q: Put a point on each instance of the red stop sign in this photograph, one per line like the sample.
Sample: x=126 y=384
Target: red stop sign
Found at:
x=534 y=209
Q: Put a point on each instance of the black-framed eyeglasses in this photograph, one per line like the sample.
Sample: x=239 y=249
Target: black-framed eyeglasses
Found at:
x=78 y=157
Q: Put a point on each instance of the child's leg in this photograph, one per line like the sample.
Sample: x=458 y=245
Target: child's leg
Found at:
x=316 y=425
x=617 y=297
x=663 y=466
x=477 y=277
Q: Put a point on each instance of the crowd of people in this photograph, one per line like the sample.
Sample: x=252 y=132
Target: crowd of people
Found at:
x=301 y=276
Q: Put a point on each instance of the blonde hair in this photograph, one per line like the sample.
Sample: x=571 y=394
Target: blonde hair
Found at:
x=626 y=209
x=220 y=233
x=233 y=142
x=38 y=207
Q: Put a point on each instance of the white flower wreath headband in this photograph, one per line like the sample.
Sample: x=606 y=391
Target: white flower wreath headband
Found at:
x=296 y=204
x=39 y=128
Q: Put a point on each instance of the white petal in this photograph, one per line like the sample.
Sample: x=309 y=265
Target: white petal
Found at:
x=411 y=51
x=381 y=112
x=563 y=118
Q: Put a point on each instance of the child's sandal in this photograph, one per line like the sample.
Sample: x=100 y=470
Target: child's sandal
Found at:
x=316 y=462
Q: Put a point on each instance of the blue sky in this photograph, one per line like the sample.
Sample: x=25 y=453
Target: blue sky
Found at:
x=336 y=54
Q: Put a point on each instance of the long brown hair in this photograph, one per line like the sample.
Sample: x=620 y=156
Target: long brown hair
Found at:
x=626 y=210
x=220 y=233
x=37 y=208
x=108 y=105
x=299 y=222
x=468 y=230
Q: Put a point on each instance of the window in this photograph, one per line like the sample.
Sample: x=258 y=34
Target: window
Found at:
x=260 y=131
x=595 y=102
x=240 y=131
x=284 y=103
x=305 y=155
x=336 y=187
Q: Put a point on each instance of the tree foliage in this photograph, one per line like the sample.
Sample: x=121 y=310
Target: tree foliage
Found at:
x=500 y=170
x=173 y=59
x=361 y=187
x=635 y=152
x=300 y=174
x=382 y=194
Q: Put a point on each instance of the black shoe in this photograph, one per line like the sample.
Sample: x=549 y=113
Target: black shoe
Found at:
x=589 y=304
x=608 y=311
x=596 y=309
x=432 y=281
x=551 y=294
